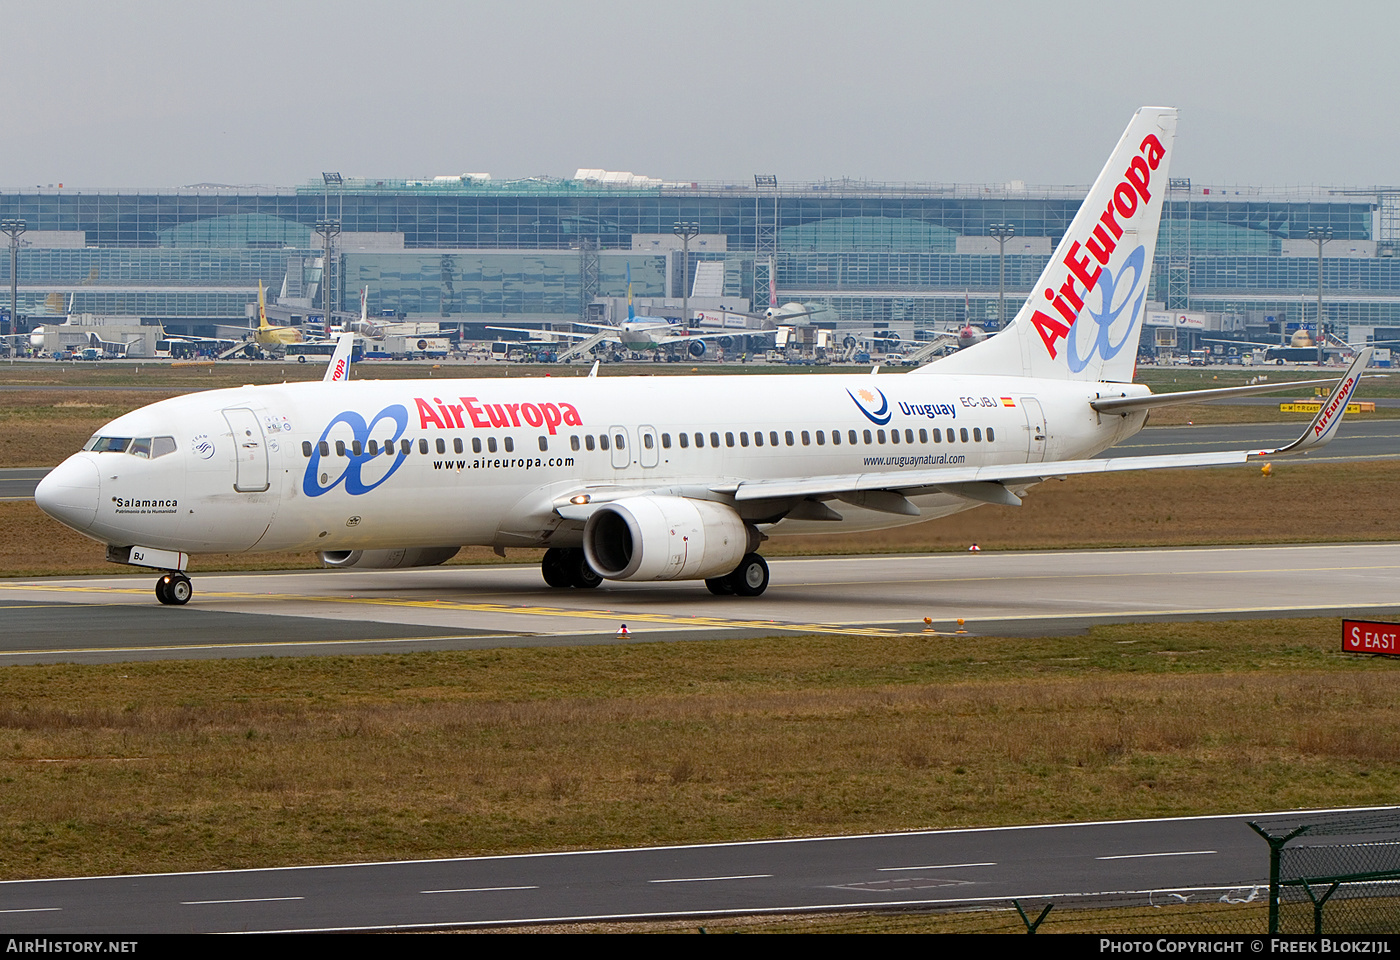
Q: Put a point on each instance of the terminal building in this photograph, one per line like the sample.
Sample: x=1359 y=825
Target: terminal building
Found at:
x=471 y=251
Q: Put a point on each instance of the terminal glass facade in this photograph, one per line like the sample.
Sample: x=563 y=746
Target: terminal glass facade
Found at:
x=534 y=251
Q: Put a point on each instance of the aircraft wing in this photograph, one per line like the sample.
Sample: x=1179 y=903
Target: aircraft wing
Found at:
x=887 y=491
x=1129 y=404
x=687 y=337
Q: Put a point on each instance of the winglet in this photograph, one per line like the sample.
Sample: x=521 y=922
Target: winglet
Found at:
x=338 y=370
x=1324 y=426
x=594 y=371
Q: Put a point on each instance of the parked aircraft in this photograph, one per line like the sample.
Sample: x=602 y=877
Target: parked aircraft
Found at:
x=659 y=478
x=268 y=335
x=636 y=333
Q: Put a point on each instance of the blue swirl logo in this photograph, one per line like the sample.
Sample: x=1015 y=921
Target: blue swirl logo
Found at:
x=1098 y=336
x=865 y=398
x=360 y=430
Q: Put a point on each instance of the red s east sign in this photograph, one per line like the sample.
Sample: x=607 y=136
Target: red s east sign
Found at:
x=1368 y=636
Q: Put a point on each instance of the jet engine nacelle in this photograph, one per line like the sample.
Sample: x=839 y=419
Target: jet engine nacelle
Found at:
x=389 y=559
x=696 y=348
x=665 y=538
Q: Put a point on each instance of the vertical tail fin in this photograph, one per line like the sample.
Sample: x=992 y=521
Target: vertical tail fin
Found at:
x=262 y=308
x=339 y=367
x=1084 y=316
x=630 y=314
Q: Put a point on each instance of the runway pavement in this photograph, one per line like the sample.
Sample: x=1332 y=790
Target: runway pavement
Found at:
x=106 y=619
x=1184 y=863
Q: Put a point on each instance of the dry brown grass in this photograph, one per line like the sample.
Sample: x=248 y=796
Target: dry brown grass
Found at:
x=167 y=766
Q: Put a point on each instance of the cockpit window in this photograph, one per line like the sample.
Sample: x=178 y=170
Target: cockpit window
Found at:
x=108 y=444
x=147 y=448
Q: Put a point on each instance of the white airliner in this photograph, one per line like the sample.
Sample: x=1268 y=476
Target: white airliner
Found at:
x=658 y=478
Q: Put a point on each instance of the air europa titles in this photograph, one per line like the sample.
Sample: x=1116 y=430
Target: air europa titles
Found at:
x=448 y=416
x=1133 y=191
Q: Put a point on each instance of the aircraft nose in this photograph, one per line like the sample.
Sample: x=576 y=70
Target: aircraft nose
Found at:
x=69 y=493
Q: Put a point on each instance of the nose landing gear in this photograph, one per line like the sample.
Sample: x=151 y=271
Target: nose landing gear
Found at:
x=174 y=589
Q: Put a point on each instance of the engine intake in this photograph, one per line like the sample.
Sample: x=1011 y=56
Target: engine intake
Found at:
x=389 y=559
x=666 y=538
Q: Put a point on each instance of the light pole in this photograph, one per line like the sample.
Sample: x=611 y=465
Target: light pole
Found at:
x=13 y=227
x=331 y=179
x=1002 y=232
x=685 y=230
x=1321 y=235
x=329 y=230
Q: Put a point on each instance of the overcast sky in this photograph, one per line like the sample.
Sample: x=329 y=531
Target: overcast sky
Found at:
x=163 y=93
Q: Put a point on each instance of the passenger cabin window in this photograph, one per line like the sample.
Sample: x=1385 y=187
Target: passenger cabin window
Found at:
x=357 y=448
x=620 y=441
x=685 y=440
x=441 y=445
x=573 y=442
x=490 y=445
x=647 y=441
x=729 y=439
x=422 y=444
x=405 y=447
x=510 y=444
x=588 y=441
x=456 y=444
x=306 y=448
x=325 y=448
x=962 y=434
x=977 y=434
x=340 y=448
x=544 y=443
x=374 y=448
x=714 y=438
x=603 y=441
x=666 y=441
x=699 y=440
x=787 y=435
x=990 y=435
x=758 y=438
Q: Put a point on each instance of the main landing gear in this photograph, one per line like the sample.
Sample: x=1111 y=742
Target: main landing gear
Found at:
x=749 y=579
x=174 y=589
x=568 y=567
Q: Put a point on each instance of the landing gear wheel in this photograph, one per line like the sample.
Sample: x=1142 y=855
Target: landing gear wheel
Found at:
x=555 y=567
x=580 y=573
x=720 y=586
x=174 y=589
x=750 y=578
